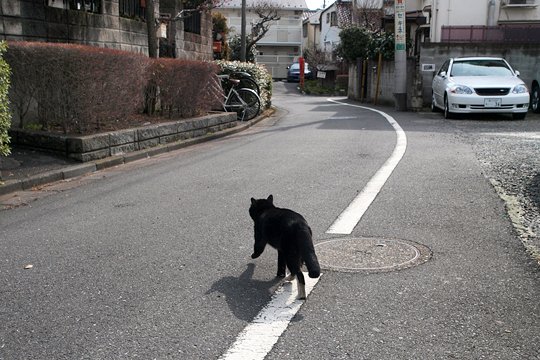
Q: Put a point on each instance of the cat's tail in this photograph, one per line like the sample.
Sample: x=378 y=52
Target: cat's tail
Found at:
x=308 y=254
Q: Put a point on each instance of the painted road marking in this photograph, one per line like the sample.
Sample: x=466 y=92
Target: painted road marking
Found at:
x=349 y=218
x=260 y=336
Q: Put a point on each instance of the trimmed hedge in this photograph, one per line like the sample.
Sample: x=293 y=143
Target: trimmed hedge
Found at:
x=76 y=87
x=80 y=89
x=260 y=75
x=5 y=115
x=181 y=84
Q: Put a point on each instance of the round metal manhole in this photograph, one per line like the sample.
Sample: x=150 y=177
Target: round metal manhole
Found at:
x=370 y=254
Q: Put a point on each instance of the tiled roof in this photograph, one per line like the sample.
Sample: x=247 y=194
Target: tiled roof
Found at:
x=311 y=15
x=285 y=4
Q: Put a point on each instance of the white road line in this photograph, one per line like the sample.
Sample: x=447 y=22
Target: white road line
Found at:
x=258 y=338
x=349 y=218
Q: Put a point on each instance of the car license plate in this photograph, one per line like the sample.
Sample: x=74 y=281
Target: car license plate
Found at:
x=492 y=103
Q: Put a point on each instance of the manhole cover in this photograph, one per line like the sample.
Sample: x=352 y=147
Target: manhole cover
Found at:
x=370 y=254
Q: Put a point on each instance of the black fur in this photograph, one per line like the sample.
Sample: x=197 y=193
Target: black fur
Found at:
x=289 y=233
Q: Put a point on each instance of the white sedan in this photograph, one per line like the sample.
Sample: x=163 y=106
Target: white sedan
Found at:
x=479 y=85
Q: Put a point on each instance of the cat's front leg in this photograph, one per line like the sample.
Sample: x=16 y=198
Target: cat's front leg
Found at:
x=260 y=243
x=258 y=249
x=281 y=265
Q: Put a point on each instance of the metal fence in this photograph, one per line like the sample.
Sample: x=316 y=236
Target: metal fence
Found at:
x=507 y=33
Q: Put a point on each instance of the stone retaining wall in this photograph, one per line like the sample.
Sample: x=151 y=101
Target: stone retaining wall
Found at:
x=99 y=146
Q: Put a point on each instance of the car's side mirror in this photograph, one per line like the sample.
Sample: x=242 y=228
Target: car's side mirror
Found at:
x=442 y=74
x=517 y=73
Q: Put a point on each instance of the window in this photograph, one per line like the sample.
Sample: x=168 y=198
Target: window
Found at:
x=333 y=19
x=192 y=23
x=327 y=18
x=85 y=5
x=133 y=8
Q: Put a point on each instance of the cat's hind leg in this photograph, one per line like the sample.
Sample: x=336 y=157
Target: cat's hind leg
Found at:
x=301 y=282
x=296 y=272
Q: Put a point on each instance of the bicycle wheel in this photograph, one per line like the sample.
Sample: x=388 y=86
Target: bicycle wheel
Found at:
x=249 y=105
x=250 y=84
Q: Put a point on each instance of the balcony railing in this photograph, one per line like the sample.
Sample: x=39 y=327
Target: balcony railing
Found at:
x=507 y=33
x=519 y=3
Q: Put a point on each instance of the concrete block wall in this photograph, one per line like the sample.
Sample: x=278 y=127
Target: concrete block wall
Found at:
x=386 y=87
x=30 y=20
x=99 y=146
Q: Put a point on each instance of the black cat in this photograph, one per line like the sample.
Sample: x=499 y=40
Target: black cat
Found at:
x=289 y=233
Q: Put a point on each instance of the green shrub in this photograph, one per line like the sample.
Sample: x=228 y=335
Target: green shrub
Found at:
x=5 y=115
x=259 y=74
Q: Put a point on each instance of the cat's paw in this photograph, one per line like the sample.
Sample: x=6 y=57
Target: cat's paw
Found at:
x=280 y=275
x=290 y=277
x=254 y=255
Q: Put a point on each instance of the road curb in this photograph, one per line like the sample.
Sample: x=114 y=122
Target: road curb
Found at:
x=11 y=186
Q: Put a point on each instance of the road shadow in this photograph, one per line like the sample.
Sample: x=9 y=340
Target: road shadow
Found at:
x=244 y=295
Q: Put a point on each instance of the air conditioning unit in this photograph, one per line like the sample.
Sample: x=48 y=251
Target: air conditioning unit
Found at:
x=519 y=3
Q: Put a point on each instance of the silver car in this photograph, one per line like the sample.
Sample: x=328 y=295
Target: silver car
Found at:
x=479 y=85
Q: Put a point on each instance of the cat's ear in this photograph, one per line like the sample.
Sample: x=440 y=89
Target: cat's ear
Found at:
x=252 y=201
x=271 y=199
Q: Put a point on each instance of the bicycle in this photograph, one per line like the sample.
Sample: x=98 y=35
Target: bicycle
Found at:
x=246 y=81
x=244 y=101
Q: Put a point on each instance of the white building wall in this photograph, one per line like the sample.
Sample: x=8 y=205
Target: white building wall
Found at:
x=280 y=46
x=477 y=12
x=456 y=12
x=329 y=37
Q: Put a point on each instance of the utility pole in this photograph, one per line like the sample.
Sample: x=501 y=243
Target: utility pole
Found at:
x=243 y=33
x=151 y=29
x=400 y=60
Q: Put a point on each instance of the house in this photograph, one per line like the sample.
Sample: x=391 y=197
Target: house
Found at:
x=282 y=44
x=311 y=29
x=332 y=19
x=118 y=24
x=483 y=20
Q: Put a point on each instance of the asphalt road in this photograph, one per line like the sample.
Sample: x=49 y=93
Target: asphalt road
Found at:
x=151 y=260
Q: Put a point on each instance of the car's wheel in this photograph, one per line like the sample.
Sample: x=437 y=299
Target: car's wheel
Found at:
x=535 y=98
x=434 y=107
x=447 y=113
x=519 y=116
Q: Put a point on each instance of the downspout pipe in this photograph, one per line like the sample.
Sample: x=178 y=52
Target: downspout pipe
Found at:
x=491 y=21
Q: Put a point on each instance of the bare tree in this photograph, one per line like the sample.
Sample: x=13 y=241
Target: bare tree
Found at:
x=368 y=14
x=316 y=57
x=268 y=12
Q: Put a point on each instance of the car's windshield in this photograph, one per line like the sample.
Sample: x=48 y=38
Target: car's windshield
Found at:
x=296 y=66
x=485 y=67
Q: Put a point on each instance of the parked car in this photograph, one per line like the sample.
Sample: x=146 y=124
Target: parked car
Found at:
x=479 y=85
x=535 y=97
x=293 y=72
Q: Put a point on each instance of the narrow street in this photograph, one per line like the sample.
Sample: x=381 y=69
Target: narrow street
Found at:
x=151 y=260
